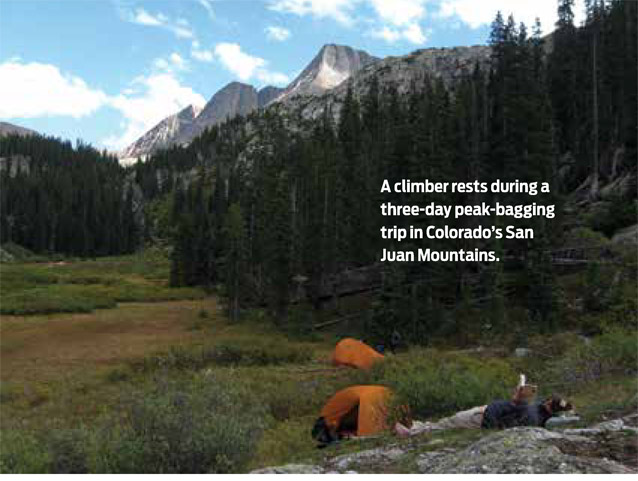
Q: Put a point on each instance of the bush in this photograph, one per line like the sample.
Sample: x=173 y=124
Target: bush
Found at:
x=21 y=453
x=200 y=427
x=612 y=352
x=54 y=298
x=68 y=450
x=228 y=353
x=434 y=384
x=260 y=353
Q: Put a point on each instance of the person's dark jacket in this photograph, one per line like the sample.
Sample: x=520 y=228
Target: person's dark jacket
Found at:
x=507 y=414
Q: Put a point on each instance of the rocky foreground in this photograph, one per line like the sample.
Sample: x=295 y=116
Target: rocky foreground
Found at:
x=609 y=447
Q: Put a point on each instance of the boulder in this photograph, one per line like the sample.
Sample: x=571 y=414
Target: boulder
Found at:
x=369 y=457
x=522 y=450
x=291 y=469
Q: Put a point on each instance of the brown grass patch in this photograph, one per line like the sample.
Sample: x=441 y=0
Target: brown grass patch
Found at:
x=43 y=348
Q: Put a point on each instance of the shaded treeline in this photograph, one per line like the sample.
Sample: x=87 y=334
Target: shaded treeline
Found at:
x=56 y=198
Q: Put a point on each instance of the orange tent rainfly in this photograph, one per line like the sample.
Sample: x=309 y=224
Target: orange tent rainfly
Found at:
x=350 y=352
x=358 y=410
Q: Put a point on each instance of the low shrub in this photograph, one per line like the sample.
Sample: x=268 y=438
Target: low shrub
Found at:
x=260 y=353
x=612 y=352
x=432 y=383
x=68 y=450
x=54 y=298
x=22 y=453
x=197 y=427
x=9 y=392
x=227 y=353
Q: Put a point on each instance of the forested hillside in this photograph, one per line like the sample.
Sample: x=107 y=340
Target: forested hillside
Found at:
x=279 y=207
x=56 y=198
x=277 y=204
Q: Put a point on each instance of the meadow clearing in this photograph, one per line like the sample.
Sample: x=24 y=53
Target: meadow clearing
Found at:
x=106 y=369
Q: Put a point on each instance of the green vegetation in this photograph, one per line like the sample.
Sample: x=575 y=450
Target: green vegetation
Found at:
x=241 y=352
x=193 y=426
x=82 y=286
x=181 y=385
x=434 y=383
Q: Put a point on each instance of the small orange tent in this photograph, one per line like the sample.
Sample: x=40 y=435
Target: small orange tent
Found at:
x=360 y=410
x=350 y=352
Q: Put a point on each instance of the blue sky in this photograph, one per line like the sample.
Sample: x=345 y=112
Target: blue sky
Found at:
x=106 y=71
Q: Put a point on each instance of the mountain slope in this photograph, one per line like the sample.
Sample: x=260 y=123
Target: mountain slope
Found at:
x=7 y=129
x=447 y=64
x=268 y=94
x=329 y=68
x=234 y=99
x=161 y=135
x=332 y=65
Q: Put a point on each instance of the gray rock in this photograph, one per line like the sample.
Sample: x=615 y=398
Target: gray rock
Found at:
x=330 y=67
x=267 y=95
x=522 y=450
x=425 y=461
x=622 y=424
x=291 y=469
x=234 y=99
x=368 y=457
x=160 y=136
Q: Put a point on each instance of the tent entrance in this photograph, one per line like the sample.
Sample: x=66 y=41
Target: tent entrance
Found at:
x=349 y=424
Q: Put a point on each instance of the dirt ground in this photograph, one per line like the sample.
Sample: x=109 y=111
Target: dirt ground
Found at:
x=43 y=348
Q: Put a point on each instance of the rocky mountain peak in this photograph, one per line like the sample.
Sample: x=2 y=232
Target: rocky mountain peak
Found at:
x=160 y=136
x=330 y=67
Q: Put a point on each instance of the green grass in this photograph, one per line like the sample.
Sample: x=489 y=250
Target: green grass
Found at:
x=111 y=390
x=82 y=286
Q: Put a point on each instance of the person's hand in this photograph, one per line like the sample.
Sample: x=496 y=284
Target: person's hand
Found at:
x=519 y=395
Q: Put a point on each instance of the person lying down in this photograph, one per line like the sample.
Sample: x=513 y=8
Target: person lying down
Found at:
x=496 y=415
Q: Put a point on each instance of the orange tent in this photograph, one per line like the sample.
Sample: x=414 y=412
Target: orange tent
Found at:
x=350 y=352
x=360 y=410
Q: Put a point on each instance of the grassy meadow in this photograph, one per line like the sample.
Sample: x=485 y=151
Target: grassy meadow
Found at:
x=106 y=369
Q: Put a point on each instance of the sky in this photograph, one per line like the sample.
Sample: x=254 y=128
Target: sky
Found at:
x=106 y=71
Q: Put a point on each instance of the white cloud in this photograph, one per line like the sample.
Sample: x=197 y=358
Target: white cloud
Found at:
x=412 y=33
x=201 y=54
x=399 y=20
x=238 y=62
x=246 y=66
x=278 y=34
x=180 y=27
x=395 y=19
x=339 y=10
x=208 y=6
x=401 y=13
x=29 y=90
x=178 y=61
x=174 y=62
x=142 y=17
x=149 y=100
x=524 y=11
